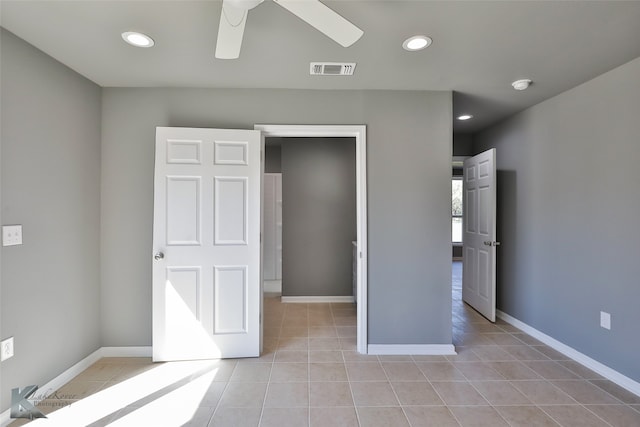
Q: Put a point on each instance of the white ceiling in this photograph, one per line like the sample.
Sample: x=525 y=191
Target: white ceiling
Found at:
x=479 y=47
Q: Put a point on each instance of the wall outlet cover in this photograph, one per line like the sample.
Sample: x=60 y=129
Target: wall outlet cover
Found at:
x=11 y=235
x=6 y=349
x=605 y=320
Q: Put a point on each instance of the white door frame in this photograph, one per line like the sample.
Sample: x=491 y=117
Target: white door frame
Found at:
x=359 y=133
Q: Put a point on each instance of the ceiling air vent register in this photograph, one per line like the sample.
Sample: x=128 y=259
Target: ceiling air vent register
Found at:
x=332 y=68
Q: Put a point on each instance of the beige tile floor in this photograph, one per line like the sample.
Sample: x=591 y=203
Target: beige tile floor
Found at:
x=310 y=374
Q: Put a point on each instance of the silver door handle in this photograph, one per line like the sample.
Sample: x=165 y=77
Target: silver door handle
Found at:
x=158 y=256
x=489 y=243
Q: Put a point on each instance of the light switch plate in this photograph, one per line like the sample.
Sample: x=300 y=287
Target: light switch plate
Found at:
x=11 y=235
x=6 y=349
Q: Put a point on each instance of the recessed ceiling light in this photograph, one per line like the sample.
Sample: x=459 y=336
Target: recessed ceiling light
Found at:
x=137 y=39
x=465 y=117
x=416 y=43
x=521 y=84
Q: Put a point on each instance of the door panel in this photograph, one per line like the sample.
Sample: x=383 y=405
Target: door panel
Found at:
x=206 y=240
x=183 y=152
x=183 y=211
x=230 y=300
x=186 y=283
x=230 y=216
x=479 y=241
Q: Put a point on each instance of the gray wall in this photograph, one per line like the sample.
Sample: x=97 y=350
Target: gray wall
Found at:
x=462 y=144
x=568 y=209
x=318 y=216
x=273 y=157
x=50 y=184
x=409 y=168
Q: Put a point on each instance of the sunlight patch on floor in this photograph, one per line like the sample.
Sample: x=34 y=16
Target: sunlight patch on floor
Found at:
x=134 y=391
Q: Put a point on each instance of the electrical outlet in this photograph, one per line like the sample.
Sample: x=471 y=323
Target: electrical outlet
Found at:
x=6 y=349
x=11 y=235
x=605 y=320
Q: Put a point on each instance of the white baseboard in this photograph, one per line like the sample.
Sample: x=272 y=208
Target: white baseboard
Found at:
x=607 y=372
x=409 y=349
x=126 y=351
x=47 y=389
x=273 y=286
x=348 y=298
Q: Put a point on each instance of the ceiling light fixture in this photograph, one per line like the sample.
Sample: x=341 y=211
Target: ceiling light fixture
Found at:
x=465 y=117
x=521 y=84
x=417 y=43
x=137 y=39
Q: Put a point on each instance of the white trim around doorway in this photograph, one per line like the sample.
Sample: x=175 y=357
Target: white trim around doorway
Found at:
x=359 y=133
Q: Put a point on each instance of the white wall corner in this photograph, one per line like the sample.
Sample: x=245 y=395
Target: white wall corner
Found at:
x=600 y=368
x=412 y=349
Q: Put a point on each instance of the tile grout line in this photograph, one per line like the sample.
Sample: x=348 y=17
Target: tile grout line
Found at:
x=266 y=391
x=441 y=398
x=492 y=406
x=393 y=390
x=215 y=410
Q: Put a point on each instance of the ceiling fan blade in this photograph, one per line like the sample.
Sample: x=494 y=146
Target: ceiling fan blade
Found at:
x=230 y=31
x=324 y=19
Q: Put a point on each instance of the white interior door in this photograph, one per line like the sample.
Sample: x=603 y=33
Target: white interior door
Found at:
x=479 y=240
x=206 y=242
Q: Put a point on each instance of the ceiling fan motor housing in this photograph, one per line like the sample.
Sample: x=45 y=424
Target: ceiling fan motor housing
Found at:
x=244 y=4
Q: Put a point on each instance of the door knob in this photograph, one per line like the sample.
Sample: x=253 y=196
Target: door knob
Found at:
x=158 y=256
x=490 y=243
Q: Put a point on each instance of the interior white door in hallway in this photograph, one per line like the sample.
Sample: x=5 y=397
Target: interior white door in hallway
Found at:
x=206 y=242
x=479 y=240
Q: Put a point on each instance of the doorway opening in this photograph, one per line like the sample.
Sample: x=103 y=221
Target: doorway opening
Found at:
x=457 y=210
x=348 y=133
x=315 y=229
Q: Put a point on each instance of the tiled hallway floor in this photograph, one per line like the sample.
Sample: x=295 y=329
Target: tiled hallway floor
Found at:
x=310 y=374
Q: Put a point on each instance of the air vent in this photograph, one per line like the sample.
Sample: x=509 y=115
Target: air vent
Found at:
x=332 y=68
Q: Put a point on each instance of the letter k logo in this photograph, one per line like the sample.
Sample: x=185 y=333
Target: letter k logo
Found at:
x=21 y=407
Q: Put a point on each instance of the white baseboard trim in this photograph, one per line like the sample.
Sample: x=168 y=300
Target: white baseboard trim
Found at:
x=347 y=298
x=273 y=286
x=126 y=351
x=607 y=372
x=409 y=349
x=47 y=389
